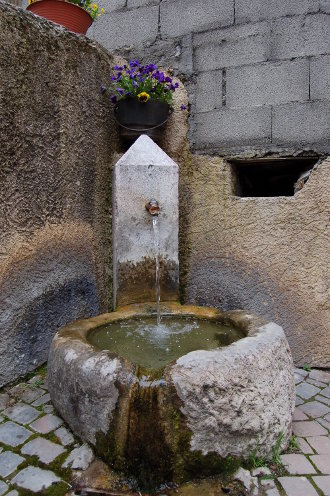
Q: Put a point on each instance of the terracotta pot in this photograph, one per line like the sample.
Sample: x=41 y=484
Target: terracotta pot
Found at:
x=135 y=118
x=69 y=15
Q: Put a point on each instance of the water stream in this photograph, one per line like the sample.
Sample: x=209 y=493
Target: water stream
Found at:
x=156 y=243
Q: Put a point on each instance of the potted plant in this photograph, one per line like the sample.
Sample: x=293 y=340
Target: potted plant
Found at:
x=75 y=15
x=143 y=98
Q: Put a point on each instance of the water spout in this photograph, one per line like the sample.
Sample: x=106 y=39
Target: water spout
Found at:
x=156 y=242
x=153 y=207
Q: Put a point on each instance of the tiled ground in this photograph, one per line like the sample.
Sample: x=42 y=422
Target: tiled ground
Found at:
x=37 y=452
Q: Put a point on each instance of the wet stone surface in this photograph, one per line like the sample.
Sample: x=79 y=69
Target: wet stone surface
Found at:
x=38 y=451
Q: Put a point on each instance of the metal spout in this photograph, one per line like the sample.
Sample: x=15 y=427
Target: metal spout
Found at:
x=153 y=207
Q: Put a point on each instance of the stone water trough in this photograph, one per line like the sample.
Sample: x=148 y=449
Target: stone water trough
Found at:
x=195 y=416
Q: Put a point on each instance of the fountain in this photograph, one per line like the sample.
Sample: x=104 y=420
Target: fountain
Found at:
x=166 y=391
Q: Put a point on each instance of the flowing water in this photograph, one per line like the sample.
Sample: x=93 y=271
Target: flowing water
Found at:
x=151 y=345
x=156 y=243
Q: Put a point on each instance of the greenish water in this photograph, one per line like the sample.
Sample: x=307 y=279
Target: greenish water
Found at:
x=153 y=346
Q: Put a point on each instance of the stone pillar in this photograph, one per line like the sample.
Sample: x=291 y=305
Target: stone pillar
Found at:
x=144 y=172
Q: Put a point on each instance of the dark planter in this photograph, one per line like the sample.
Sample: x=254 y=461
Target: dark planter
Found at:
x=68 y=15
x=135 y=118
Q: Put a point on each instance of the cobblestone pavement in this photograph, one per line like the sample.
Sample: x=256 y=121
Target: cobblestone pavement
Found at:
x=38 y=453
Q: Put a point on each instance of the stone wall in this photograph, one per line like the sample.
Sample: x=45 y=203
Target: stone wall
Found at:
x=257 y=71
x=266 y=255
x=56 y=154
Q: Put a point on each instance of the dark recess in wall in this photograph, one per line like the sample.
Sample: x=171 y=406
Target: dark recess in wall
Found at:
x=271 y=176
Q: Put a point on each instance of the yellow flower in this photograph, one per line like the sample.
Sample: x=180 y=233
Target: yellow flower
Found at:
x=102 y=10
x=143 y=97
x=94 y=6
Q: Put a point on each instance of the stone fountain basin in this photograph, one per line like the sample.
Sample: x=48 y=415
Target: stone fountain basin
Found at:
x=203 y=407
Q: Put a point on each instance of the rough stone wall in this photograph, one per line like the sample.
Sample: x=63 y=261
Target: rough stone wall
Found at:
x=266 y=255
x=56 y=155
x=257 y=71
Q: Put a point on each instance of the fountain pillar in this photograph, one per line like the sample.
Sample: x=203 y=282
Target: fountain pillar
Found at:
x=145 y=171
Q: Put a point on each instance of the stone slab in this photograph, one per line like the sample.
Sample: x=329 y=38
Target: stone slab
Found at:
x=322 y=462
x=299 y=401
x=304 y=446
x=258 y=9
x=297 y=464
x=299 y=415
x=65 y=436
x=321 y=444
x=316 y=383
x=3 y=487
x=46 y=424
x=314 y=409
x=4 y=400
x=45 y=450
x=326 y=392
x=13 y=434
x=320 y=375
x=308 y=428
x=323 y=482
x=306 y=391
x=297 y=486
x=41 y=401
x=35 y=479
x=9 y=462
x=323 y=399
x=24 y=414
x=298 y=378
x=48 y=408
x=32 y=394
x=324 y=423
x=79 y=458
x=12 y=493
x=301 y=372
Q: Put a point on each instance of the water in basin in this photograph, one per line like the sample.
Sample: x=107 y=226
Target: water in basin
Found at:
x=153 y=346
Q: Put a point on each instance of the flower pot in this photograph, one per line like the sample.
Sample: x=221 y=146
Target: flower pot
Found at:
x=69 y=15
x=135 y=118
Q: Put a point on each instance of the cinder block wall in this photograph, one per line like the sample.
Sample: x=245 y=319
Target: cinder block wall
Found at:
x=257 y=71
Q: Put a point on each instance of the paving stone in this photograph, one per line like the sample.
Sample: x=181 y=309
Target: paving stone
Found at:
x=41 y=401
x=34 y=379
x=46 y=424
x=323 y=482
x=297 y=464
x=18 y=390
x=12 y=493
x=299 y=401
x=298 y=378
x=320 y=375
x=301 y=372
x=272 y=492
x=1 y=419
x=309 y=428
x=321 y=444
x=24 y=414
x=327 y=417
x=304 y=446
x=268 y=483
x=299 y=415
x=9 y=462
x=48 y=408
x=316 y=383
x=306 y=391
x=13 y=434
x=4 y=400
x=260 y=471
x=3 y=488
x=314 y=409
x=323 y=399
x=324 y=423
x=45 y=450
x=35 y=479
x=64 y=436
x=79 y=458
x=326 y=392
x=32 y=394
x=297 y=486
x=322 y=462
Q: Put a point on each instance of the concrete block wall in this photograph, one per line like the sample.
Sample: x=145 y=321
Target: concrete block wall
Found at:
x=257 y=71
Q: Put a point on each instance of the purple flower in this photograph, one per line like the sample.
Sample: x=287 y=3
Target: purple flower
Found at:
x=113 y=99
x=168 y=79
x=183 y=107
x=102 y=88
x=118 y=68
x=120 y=91
x=134 y=83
